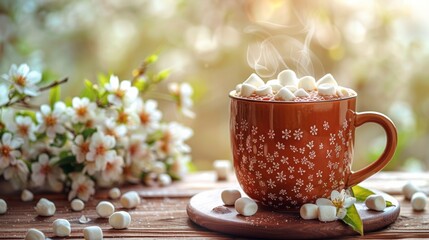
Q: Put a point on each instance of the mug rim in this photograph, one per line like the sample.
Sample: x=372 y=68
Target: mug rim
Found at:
x=288 y=102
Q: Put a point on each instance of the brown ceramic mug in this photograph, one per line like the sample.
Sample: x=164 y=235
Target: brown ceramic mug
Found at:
x=289 y=153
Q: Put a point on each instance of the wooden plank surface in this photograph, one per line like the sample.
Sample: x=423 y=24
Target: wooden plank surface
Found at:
x=162 y=213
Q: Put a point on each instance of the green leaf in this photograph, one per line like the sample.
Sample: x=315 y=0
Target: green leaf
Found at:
x=88 y=132
x=151 y=59
x=54 y=95
x=103 y=79
x=60 y=140
x=352 y=219
x=140 y=83
x=162 y=75
x=361 y=193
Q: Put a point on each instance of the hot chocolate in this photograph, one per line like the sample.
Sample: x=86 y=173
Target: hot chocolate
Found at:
x=287 y=87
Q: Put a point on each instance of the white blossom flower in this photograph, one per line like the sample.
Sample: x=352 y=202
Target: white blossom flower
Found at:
x=137 y=149
x=111 y=128
x=17 y=173
x=82 y=187
x=9 y=149
x=45 y=170
x=182 y=93
x=148 y=113
x=4 y=94
x=172 y=141
x=23 y=79
x=121 y=93
x=82 y=110
x=80 y=148
x=127 y=117
x=52 y=121
x=341 y=200
x=24 y=128
x=113 y=169
x=101 y=149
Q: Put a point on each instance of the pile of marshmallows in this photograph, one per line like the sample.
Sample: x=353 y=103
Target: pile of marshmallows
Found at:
x=288 y=86
x=104 y=209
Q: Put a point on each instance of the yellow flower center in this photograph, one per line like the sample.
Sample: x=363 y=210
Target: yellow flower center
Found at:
x=81 y=111
x=5 y=150
x=50 y=121
x=20 y=80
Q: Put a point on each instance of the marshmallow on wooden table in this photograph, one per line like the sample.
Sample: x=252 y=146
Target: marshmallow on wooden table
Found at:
x=375 y=202
x=301 y=93
x=3 y=206
x=246 y=206
x=61 y=227
x=26 y=195
x=222 y=168
x=130 y=199
x=93 y=233
x=326 y=89
x=328 y=78
x=164 y=179
x=287 y=77
x=45 y=208
x=274 y=84
x=34 y=234
x=77 y=205
x=284 y=94
x=418 y=201
x=327 y=213
x=254 y=80
x=114 y=193
x=309 y=211
x=307 y=83
x=104 y=209
x=264 y=90
x=120 y=220
x=247 y=90
x=409 y=189
x=229 y=196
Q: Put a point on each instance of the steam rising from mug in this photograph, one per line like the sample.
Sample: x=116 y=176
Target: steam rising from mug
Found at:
x=278 y=51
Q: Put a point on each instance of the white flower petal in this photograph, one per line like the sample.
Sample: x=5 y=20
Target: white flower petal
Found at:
x=23 y=69
x=349 y=201
x=335 y=194
x=6 y=138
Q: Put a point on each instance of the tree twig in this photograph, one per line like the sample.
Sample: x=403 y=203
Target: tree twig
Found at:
x=56 y=83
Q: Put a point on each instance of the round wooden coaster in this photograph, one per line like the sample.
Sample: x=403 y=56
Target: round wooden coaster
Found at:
x=207 y=210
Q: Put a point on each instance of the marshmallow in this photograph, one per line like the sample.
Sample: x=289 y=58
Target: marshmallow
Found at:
x=291 y=88
x=409 y=189
x=77 y=205
x=254 y=80
x=264 y=90
x=45 y=208
x=3 y=206
x=114 y=193
x=104 y=209
x=130 y=199
x=61 y=228
x=287 y=77
x=375 y=202
x=418 y=201
x=307 y=83
x=301 y=93
x=120 y=220
x=308 y=211
x=238 y=88
x=229 y=196
x=274 y=84
x=34 y=234
x=343 y=92
x=326 y=89
x=247 y=90
x=222 y=168
x=27 y=196
x=329 y=79
x=164 y=179
x=158 y=167
x=327 y=213
x=246 y=206
x=93 y=233
x=284 y=94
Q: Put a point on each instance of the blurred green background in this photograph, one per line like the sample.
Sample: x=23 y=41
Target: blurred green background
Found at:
x=378 y=48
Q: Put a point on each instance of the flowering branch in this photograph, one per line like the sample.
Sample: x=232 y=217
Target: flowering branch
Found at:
x=54 y=84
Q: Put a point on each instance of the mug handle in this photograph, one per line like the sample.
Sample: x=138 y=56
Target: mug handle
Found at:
x=389 y=150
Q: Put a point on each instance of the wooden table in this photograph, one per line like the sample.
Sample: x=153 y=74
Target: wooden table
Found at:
x=162 y=213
